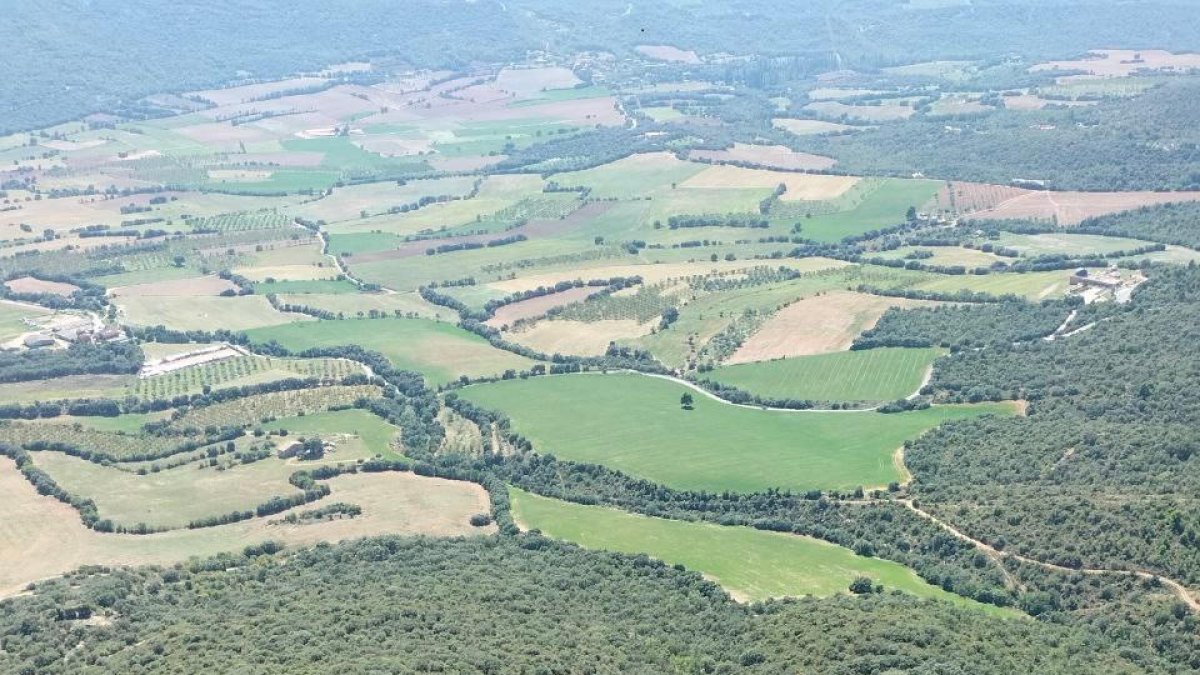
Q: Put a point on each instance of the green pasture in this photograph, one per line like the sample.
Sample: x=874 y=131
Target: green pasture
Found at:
x=635 y=424
x=751 y=564
x=440 y=351
x=883 y=374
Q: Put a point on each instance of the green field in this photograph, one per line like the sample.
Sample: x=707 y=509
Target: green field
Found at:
x=440 y=351
x=883 y=374
x=11 y=315
x=1060 y=242
x=751 y=564
x=883 y=206
x=634 y=423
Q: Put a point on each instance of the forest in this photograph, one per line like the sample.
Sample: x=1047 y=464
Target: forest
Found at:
x=507 y=605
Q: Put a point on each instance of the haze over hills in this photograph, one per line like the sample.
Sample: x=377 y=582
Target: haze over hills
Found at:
x=530 y=336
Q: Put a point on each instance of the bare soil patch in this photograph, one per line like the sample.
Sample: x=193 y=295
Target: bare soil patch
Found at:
x=32 y=285
x=210 y=285
x=668 y=53
x=800 y=186
x=812 y=127
x=772 y=156
x=40 y=537
x=579 y=338
x=1124 y=62
x=536 y=307
x=1068 y=208
x=818 y=324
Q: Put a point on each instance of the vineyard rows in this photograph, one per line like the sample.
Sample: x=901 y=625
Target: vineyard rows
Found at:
x=241 y=222
x=265 y=407
x=239 y=371
x=107 y=442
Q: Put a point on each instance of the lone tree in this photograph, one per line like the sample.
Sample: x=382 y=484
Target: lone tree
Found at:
x=686 y=401
x=862 y=586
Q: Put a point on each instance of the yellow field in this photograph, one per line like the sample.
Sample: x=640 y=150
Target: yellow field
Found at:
x=800 y=186
x=41 y=537
x=578 y=338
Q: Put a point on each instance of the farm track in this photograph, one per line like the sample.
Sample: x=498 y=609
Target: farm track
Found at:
x=1182 y=592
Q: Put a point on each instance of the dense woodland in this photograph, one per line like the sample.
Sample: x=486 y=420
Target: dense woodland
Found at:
x=72 y=39
x=499 y=605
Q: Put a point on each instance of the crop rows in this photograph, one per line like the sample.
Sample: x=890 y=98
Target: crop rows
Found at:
x=239 y=371
x=110 y=443
x=240 y=222
x=647 y=303
x=265 y=407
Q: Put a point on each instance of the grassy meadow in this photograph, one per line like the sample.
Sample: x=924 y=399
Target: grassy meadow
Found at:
x=883 y=374
x=440 y=351
x=750 y=564
x=635 y=424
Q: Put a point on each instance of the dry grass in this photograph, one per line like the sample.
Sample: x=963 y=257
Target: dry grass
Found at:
x=31 y=285
x=1068 y=208
x=811 y=127
x=800 y=186
x=536 y=307
x=1124 y=62
x=41 y=537
x=250 y=92
x=818 y=324
x=203 y=312
x=579 y=338
x=209 y=285
x=871 y=113
x=668 y=53
x=772 y=156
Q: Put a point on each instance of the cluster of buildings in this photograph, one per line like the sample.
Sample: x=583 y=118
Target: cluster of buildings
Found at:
x=78 y=330
x=1104 y=285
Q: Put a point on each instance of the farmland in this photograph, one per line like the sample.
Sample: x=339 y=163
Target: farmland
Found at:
x=510 y=336
x=867 y=375
x=752 y=565
x=439 y=351
x=634 y=423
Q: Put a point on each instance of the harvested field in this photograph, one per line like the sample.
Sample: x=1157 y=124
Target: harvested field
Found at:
x=251 y=92
x=772 y=156
x=800 y=187
x=1123 y=62
x=203 y=312
x=972 y=197
x=209 y=285
x=526 y=82
x=32 y=285
x=668 y=53
x=578 y=338
x=819 y=324
x=41 y=537
x=1068 y=208
x=812 y=127
x=1033 y=102
x=179 y=361
x=536 y=307
x=869 y=113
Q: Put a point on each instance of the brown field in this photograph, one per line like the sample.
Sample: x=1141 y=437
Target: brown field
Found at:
x=209 y=285
x=250 y=92
x=1122 y=62
x=818 y=324
x=31 y=285
x=773 y=156
x=1033 y=102
x=465 y=163
x=811 y=127
x=800 y=187
x=40 y=537
x=1068 y=208
x=536 y=307
x=668 y=53
x=869 y=113
x=579 y=338
x=971 y=197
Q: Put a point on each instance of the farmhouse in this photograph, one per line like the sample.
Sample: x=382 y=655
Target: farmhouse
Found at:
x=1107 y=280
x=38 y=340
